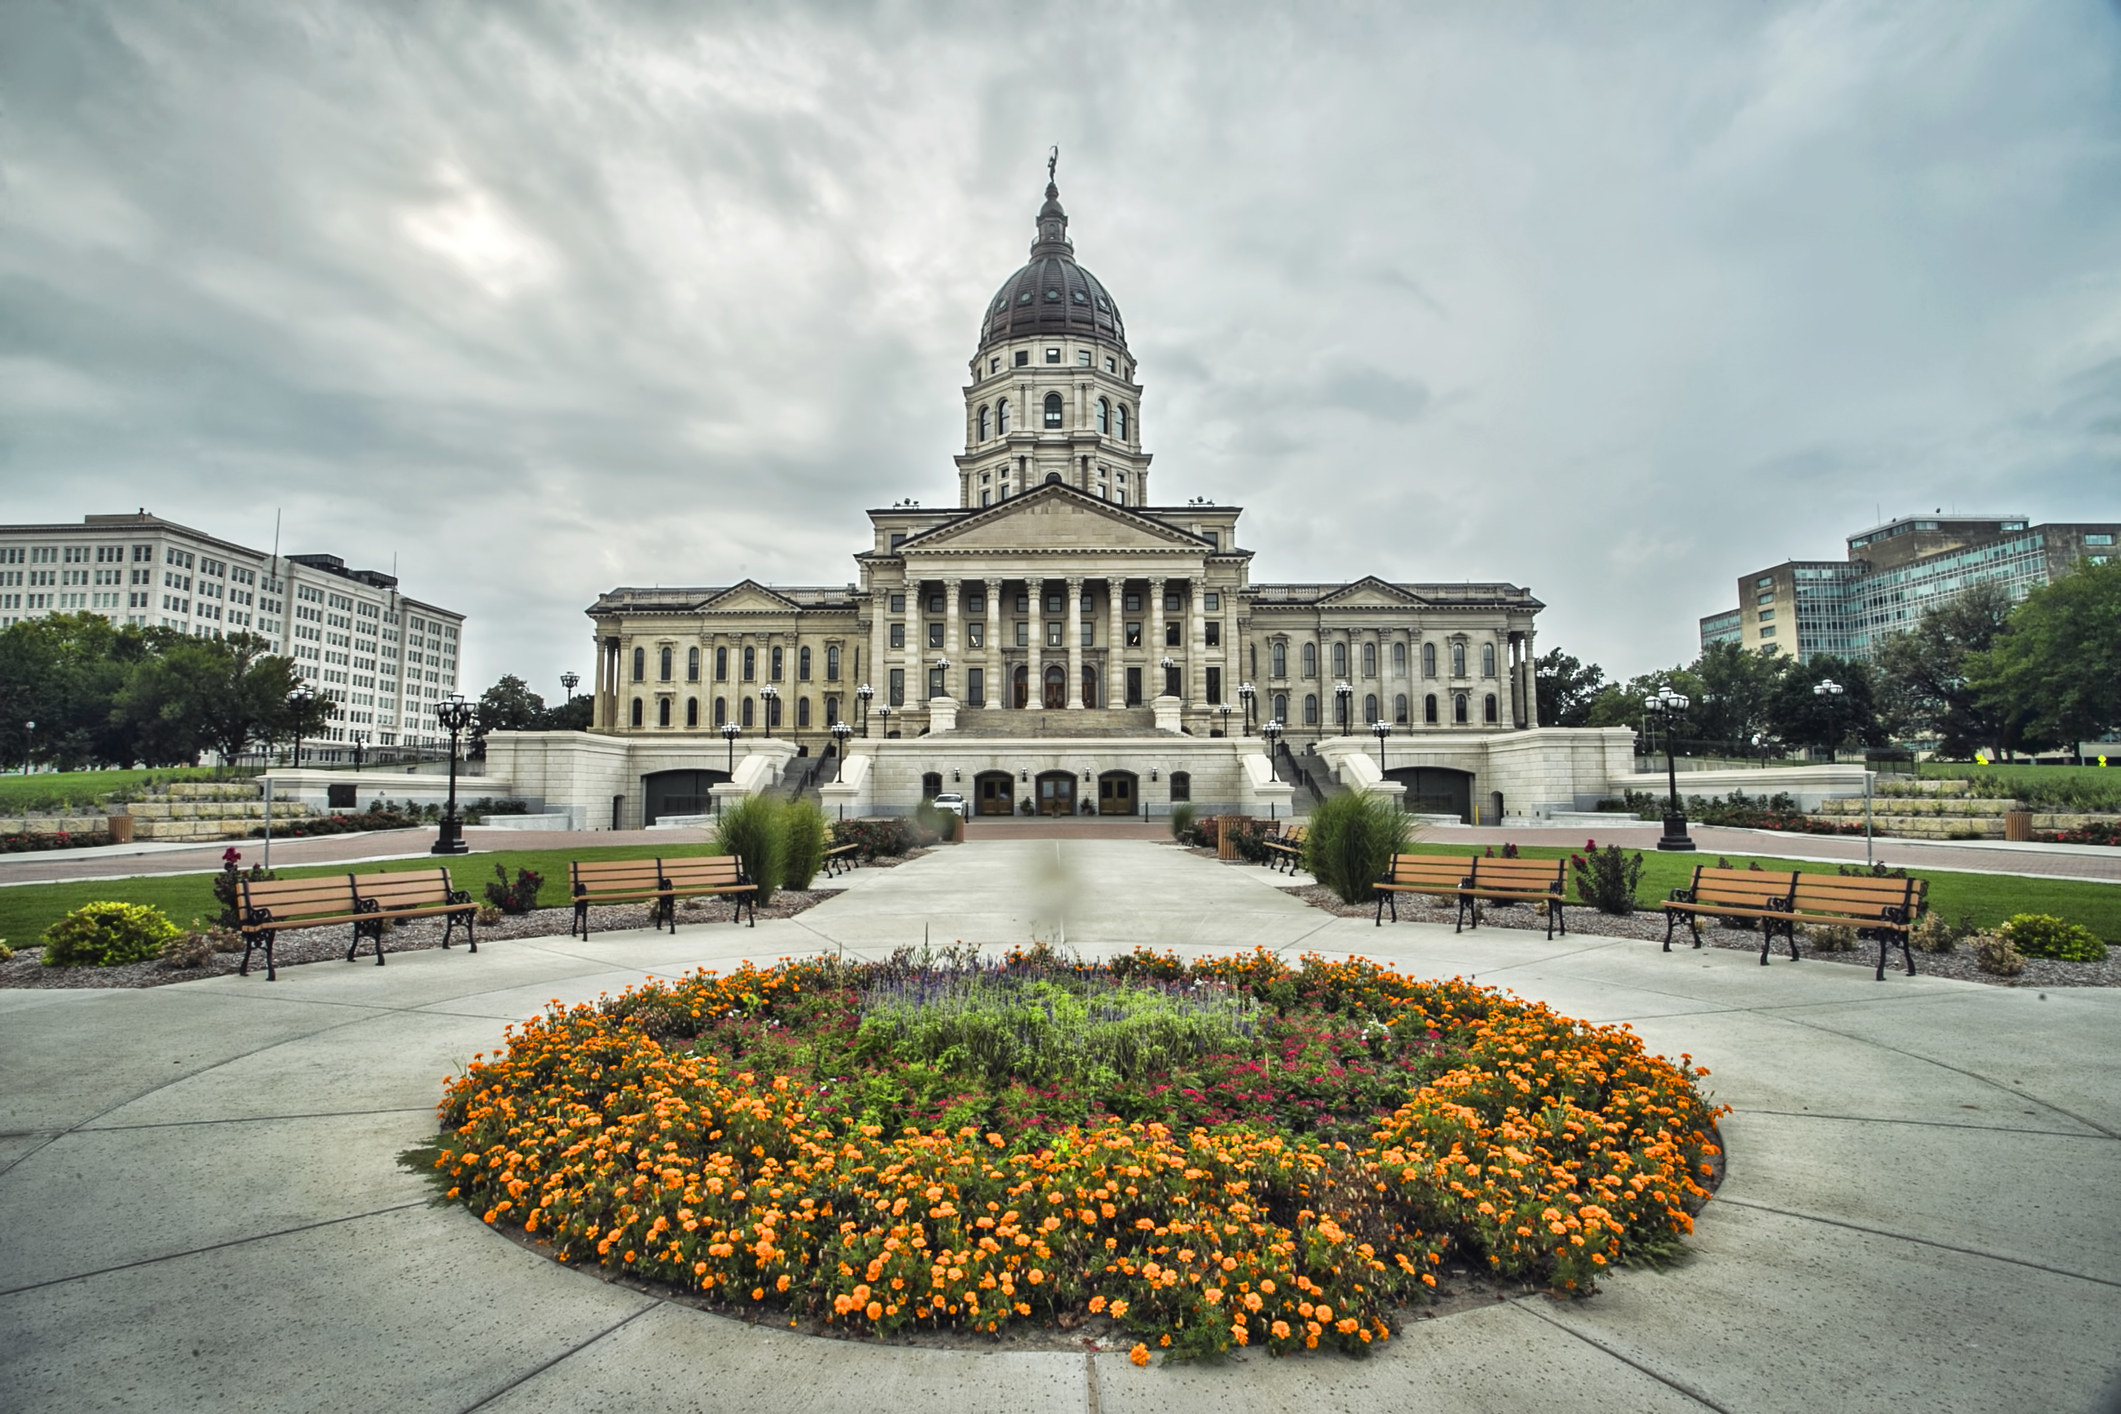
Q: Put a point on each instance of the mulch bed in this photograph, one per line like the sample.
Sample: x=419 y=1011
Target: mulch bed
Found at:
x=1649 y=927
x=302 y=945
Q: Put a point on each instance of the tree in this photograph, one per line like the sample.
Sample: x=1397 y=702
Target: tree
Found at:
x=214 y=694
x=1565 y=688
x=2056 y=666
x=510 y=706
x=1922 y=674
x=1736 y=687
x=1803 y=717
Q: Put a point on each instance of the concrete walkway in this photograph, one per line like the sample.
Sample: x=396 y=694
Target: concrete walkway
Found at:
x=201 y=1206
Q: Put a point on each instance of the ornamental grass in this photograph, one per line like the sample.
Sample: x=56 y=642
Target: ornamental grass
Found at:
x=1228 y=1152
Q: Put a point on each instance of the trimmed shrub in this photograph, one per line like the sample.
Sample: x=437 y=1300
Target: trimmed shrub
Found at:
x=188 y=951
x=107 y=935
x=1995 y=955
x=1932 y=933
x=803 y=844
x=1606 y=878
x=752 y=830
x=2044 y=935
x=1181 y=820
x=1830 y=937
x=1351 y=843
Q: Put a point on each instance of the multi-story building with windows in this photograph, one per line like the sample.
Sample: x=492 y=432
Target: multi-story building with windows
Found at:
x=1892 y=574
x=383 y=658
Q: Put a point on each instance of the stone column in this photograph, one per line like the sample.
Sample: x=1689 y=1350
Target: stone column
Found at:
x=1153 y=669
x=1074 y=631
x=1115 y=638
x=1034 y=661
x=950 y=636
x=1197 y=643
x=1531 y=682
x=996 y=663
x=597 y=700
x=916 y=680
x=879 y=638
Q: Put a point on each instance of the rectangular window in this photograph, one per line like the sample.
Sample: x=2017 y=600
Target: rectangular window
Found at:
x=1023 y=603
x=1089 y=633
x=898 y=538
x=1053 y=633
x=898 y=603
x=976 y=602
x=935 y=635
x=1215 y=686
x=1766 y=581
x=975 y=635
x=1053 y=603
x=1213 y=602
x=898 y=635
x=1110 y=366
x=1170 y=601
x=1082 y=356
x=1215 y=633
x=935 y=682
x=1023 y=634
x=2098 y=539
x=1134 y=687
x=898 y=687
x=975 y=685
x=1134 y=634
x=935 y=603
x=1023 y=357
x=1768 y=632
x=1171 y=634
x=1052 y=355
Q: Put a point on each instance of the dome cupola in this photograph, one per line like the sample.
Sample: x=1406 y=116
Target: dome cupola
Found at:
x=1052 y=294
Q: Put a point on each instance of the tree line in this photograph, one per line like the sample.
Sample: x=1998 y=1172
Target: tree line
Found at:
x=103 y=694
x=1977 y=674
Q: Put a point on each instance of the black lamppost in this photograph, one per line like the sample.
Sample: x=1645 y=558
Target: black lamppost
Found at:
x=943 y=666
x=771 y=697
x=863 y=694
x=1380 y=730
x=1830 y=693
x=1170 y=667
x=1668 y=705
x=454 y=714
x=883 y=712
x=299 y=702
x=1343 y=694
x=360 y=748
x=1245 y=692
x=569 y=681
x=29 y=740
x=1271 y=730
x=1226 y=709
x=840 y=732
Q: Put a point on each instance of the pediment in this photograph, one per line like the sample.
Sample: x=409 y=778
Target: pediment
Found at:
x=748 y=596
x=1055 y=516
x=1370 y=592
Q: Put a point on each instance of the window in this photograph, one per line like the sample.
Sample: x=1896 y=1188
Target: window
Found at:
x=802 y=711
x=1023 y=633
x=1053 y=633
x=1766 y=615
x=1488 y=709
x=1053 y=409
x=692 y=666
x=1212 y=602
x=1089 y=633
x=1768 y=632
x=777 y=663
x=1171 y=681
x=662 y=712
x=1369 y=662
x=935 y=634
x=1369 y=708
x=1340 y=660
x=751 y=664
x=1428 y=709
x=1310 y=660
x=1399 y=662
x=975 y=635
x=1310 y=709
x=898 y=603
x=897 y=694
x=985 y=421
x=1281 y=706
x=1104 y=415
x=1134 y=687
x=832 y=662
x=640 y=666
x=1428 y=662
x=1052 y=355
x=2098 y=539
x=1023 y=356
x=1132 y=603
x=1215 y=686
x=1120 y=425
x=721 y=711
x=1458 y=660
x=975 y=685
x=663 y=657
x=1171 y=638
x=1001 y=412
x=832 y=711
x=1764 y=581
x=637 y=709
x=1278 y=658
x=1399 y=708
x=1458 y=708
x=749 y=717
x=898 y=635
x=935 y=682
x=1134 y=634
x=721 y=665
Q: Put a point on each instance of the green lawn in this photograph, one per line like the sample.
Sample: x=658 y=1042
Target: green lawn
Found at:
x=1958 y=770
x=1989 y=898
x=60 y=790
x=26 y=910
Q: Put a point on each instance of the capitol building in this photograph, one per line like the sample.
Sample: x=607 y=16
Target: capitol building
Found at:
x=1059 y=641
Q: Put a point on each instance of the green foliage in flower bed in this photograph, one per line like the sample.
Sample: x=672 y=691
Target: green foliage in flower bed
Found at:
x=59 y=839
x=1351 y=841
x=885 y=838
x=2044 y=935
x=1607 y=878
x=2068 y=790
x=107 y=935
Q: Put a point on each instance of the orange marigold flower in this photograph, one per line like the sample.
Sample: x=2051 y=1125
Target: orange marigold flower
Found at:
x=1280 y=1329
x=1139 y=1354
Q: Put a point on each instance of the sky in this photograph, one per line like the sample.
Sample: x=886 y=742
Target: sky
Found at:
x=1616 y=301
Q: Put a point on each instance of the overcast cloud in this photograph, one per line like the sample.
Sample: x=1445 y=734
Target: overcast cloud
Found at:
x=1617 y=301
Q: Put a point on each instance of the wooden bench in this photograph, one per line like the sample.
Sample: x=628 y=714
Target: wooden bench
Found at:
x=1439 y=875
x=841 y=857
x=414 y=893
x=271 y=906
x=655 y=881
x=1286 y=850
x=1880 y=908
x=1521 y=881
x=1760 y=894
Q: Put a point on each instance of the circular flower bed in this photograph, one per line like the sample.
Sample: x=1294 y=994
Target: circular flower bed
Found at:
x=1231 y=1151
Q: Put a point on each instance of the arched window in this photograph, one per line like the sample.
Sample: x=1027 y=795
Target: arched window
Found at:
x=1487 y=709
x=1458 y=708
x=1399 y=660
x=1340 y=660
x=1310 y=660
x=1458 y=660
x=1104 y=415
x=1053 y=409
x=1428 y=709
x=663 y=668
x=1001 y=418
x=802 y=664
x=640 y=665
x=777 y=663
x=1369 y=708
x=1279 y=655
x=1369 y=662
x=751 y=663
x=1428 y=662
x=1399 y=708
x=1281 y=707
x=773 y=711
x=832 y=663
x=692 y=711
x=832 y=711
x=1487 y=660
x=637 y=711
x=1181 y=785
x=692 y=666
x=1120 y=426
x=662 y=712
x=721 y=711
x=802 y=711
x=985 y=421
x=721 y=665
x=747 y=719
x=1310 y=709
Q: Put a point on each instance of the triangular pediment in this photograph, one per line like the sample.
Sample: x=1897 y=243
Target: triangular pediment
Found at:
x=1369 y=592
x=1055 y=515
x=747 y=596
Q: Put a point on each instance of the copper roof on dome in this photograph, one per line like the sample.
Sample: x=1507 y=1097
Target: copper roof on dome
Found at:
x=1052 y=294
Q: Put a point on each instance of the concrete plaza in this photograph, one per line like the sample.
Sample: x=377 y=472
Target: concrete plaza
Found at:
x=200 y=1204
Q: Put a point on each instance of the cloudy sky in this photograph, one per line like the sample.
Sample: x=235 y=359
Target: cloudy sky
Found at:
x=1617 y=301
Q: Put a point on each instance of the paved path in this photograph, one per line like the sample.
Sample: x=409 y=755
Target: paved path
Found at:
x=201 y=1208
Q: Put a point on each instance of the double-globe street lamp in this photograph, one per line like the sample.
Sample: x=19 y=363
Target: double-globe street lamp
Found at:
x=1668 y=707
x=1380 y=730
x=840 y=732
x=569 y=681
x=1830 y=694
x=771 y=697
x=298 y=703
x=454 y=714
x=1343 y=694
x=29 y=740
x=1245 y=693
x=1271 y=730
x=863 y=694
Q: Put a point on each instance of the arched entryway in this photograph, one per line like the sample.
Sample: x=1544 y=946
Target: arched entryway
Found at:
x=1436 y=790
x=1056 y=793
x=1090 y=676
x=1119 y=793
x=1056 y=693
x=1020 y=687
x=994 y=793
x=678 y=793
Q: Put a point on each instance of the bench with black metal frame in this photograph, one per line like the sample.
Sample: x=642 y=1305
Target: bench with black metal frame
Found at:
x=1284 y=851
x=414 y=893
x=841 y=857
x=704 y=876
x=1759 y=894
x=1501 y=880
x=1437 y=875
x=1882 y=908
x=601 y=881
x=270 y=907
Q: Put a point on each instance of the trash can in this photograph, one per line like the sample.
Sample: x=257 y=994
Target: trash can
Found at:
x=2018 y=825
x=121 y=829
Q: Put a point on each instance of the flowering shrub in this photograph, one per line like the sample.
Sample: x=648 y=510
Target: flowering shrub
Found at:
x=59 y=839
x=1606 y=878
x=875 y=839
x=519 y=897
x=2090 y=832
x=756 y=1138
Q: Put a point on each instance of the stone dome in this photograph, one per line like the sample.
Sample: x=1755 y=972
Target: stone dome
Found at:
x=1052 y=294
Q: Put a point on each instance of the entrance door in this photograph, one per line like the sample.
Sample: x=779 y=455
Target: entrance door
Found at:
x=1115 y=793
x=1089 y=687
x=1056 y=793
x=1020 y=693
x=1056 y=695
x=994 y=793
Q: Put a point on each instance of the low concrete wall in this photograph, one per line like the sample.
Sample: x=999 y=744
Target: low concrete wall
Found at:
x=552 y=820
x=1807 y=784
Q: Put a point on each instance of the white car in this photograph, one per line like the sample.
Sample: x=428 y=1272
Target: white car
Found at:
x=956 y=804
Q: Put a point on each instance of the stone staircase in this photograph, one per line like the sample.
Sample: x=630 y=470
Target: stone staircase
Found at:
x=1089 y=722
x=206 y=810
